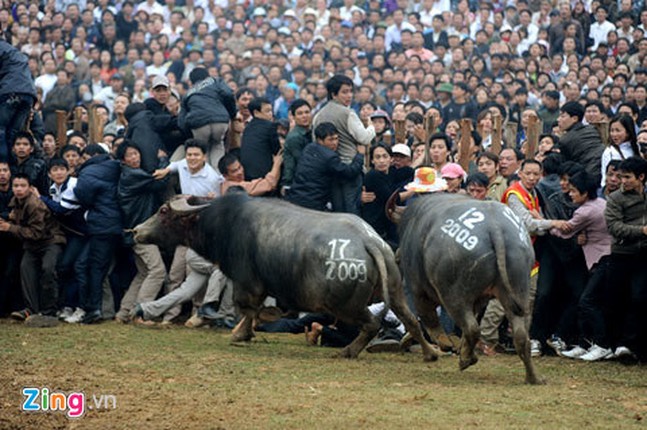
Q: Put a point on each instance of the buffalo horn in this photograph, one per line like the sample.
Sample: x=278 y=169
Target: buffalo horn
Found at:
x=182 y=206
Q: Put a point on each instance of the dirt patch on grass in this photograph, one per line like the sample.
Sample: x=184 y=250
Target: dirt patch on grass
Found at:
x=185 y=379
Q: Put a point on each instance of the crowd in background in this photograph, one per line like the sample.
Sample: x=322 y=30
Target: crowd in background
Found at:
x=328 y=105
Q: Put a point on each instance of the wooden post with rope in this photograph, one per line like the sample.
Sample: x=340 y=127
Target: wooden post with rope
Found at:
x=465 y=143
x=98 y=126
x=78 y=115
x=430 y=126
x=91 y=125
x=533 y=136
x=400 y=131
x=497 y=133
x=61 y=129
x=510 y=134
x=603 y=131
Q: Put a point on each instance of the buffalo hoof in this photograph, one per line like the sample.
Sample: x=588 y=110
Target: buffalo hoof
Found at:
x=241 y=337
x=533 y=380
x=430 y=357
x=462 y=365
x=348 y=353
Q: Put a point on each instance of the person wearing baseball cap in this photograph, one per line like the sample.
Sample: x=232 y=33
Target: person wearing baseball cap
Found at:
x=401 y=155
x=454 y=175
x=160 y=94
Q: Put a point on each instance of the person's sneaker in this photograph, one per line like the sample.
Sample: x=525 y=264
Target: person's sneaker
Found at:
x=226 y=323
x=575 y=352
x=76 y=317
x=383 y=345
x=195 y=321
x=596 y=353
x=64 y=313
x=21 y=315
x=557 y=344
x=139 y=321
x=137 y=312
x=535 y=348
x=625 y=355
x=92 y=317
x=209 y=311
x=122 y=317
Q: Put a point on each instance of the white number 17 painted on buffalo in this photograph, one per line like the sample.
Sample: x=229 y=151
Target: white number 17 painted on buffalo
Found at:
x=333 y=248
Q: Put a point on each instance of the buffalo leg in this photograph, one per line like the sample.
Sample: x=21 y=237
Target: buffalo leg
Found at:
x=243 y=331
x=402 y=311
x=426 y=308
x=465 y=319
x=522 y=345
x=369 y=326
x=248 y=305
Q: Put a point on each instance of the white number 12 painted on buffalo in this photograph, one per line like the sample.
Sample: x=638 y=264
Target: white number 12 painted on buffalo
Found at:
x=475 y=218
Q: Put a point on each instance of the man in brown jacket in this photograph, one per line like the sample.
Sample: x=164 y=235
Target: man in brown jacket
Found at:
x=32 y=223
x=626 y=217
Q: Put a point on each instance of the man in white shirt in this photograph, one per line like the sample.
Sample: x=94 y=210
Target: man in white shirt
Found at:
x=346 y=11
x=600 y=28
x=151 y=7
x=626 y=30
x=431 y=8
x=197 y=178
x=394 y=32
x=525 y=20
x=108 y=94
x=47 y=80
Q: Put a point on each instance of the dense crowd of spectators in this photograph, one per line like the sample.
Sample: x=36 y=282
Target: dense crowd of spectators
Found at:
x=326 y=104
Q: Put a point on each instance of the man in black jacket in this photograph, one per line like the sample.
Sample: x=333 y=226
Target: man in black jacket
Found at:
x=140 y=196
x=206 y=111
x=579 y=143
x=28 y=163
x=17 y=94
x=144 y=130
x=260 y=141
x=320 y=167
x=165 y=119
x=96 y=191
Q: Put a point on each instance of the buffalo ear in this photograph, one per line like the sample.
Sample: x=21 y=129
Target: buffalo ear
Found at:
x=189 y=220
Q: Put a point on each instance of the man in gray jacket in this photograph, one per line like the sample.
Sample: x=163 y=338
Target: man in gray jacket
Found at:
x=206 y=111
x=346 y=193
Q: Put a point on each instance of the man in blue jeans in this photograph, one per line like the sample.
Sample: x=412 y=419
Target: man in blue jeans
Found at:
x=17 y=94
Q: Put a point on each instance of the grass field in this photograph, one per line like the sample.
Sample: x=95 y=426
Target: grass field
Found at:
x=194 y=379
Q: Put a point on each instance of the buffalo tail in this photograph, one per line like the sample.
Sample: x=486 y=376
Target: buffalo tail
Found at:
x=496 y=235
x=378 y=257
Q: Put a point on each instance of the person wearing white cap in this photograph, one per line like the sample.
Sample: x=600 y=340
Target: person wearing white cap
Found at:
x=259 y=11
x=401 y=155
